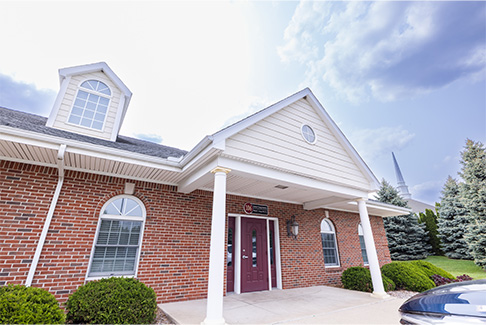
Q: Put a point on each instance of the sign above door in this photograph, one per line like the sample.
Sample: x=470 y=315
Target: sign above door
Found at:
x=251 y=208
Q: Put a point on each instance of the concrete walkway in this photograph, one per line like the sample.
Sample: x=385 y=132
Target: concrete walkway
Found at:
x=314 y=305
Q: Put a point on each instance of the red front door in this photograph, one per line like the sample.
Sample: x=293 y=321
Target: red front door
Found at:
x=254 y=258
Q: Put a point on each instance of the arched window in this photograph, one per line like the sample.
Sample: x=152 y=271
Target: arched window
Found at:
x=91 y=105
x=118 y=239
x=329 y=244
x=362 y=244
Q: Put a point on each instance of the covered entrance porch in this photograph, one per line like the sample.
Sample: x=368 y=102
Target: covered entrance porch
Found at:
x=312 y=305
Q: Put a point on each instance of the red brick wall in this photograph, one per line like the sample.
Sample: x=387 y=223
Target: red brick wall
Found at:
x=175 y=250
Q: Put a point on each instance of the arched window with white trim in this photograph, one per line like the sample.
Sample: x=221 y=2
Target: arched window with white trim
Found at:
x=329 y=243
x=91 y=105
x=116 y=249
x=362 y=245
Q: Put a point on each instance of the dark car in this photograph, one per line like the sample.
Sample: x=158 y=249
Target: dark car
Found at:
x=455 y=303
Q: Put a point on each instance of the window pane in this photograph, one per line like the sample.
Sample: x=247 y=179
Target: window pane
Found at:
x=271 y=247
x=229 y=247
x=80 y=103
x=254 y=248
x=86 y=122
x=104 y=101
x=114 y=208
x=363 y=249
x=88 y=114
x=99 y=117
x=82 y=94
x=132 y=208
x=329 y=249
x=91 y=106
x=77 y=111
x=74 y=119
x=97 y=125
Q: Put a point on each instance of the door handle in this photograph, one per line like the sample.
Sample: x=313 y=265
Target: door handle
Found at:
x=244 y=257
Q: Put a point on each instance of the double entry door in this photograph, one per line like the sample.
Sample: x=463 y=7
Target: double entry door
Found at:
x=256 y=258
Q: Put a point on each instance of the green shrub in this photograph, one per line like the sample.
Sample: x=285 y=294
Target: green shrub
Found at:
x=430 y=269
x=27 y=305
x=407 y=276
x=112 y=301
x=359 y=278
x=388 y=283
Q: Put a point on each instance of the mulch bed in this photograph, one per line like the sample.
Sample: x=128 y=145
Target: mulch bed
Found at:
x=161 y=318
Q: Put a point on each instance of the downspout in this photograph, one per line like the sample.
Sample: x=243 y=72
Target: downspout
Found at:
x=50 y=213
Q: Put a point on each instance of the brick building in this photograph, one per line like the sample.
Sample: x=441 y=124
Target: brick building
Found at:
x=277 y=200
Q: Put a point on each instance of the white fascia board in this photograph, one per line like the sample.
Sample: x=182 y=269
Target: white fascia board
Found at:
x=52 y=142
x=374 y=183
x=259 y=172
x=252 y=119
x=198 y=178
x=203 y=144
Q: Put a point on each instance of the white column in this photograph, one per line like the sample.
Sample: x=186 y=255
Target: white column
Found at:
x=214 y=308
x=378 y=289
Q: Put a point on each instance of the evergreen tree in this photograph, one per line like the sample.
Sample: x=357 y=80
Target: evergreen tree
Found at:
x=452 y=222
x=407 y=239
x=473 y=194
x=429 y=219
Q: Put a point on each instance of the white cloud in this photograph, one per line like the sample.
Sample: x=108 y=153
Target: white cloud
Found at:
x=374 y=144
x=183 y=61
x=427 y=191
x=387 y=50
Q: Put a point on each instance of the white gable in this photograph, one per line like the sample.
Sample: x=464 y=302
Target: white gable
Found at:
x=275 y=140
x=71 y=80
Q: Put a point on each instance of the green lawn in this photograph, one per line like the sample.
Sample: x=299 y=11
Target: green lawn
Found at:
x=458 y=267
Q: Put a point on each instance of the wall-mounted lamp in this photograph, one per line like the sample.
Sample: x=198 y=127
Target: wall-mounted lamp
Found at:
x=292 y=227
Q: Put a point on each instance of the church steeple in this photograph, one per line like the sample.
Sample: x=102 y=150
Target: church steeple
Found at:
x=402 y=187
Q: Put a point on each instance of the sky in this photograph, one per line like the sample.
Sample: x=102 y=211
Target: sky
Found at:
x=402 y=77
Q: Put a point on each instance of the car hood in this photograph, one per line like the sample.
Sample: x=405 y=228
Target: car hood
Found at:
x=466 y=298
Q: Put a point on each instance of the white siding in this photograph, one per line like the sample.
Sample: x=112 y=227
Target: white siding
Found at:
x=276 y=141
x=67 y=103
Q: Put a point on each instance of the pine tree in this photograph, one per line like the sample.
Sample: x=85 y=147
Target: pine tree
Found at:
x=452 y=222
x=429 y=219
x=407 y=239
x=473 y=194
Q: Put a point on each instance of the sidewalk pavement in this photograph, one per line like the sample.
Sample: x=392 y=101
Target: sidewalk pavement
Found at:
x=313 y=305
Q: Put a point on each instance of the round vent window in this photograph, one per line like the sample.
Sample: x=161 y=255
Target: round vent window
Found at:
x=308 y=134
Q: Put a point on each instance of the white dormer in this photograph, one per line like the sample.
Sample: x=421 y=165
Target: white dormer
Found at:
x=92 y=101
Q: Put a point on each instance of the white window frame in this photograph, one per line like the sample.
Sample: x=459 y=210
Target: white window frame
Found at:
x=94 y=92
x=313 y=131
x=120 y=218
x=332 y=231
x=360 y=235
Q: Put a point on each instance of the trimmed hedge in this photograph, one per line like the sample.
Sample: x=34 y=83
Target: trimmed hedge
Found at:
x=112 y=301
x=407 y=276
x=430 y=269
x=359 y=278
x=28 y=305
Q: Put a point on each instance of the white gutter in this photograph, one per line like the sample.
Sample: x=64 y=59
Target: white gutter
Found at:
x=50 y=213
x=196 y=150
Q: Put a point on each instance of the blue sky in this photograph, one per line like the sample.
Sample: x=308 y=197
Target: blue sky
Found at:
x=407 y=77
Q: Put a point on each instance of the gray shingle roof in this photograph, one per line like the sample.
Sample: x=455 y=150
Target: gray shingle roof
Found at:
x=35 y=123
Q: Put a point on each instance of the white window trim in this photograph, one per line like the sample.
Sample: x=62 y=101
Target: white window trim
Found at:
x=331 y=224
x=123 y=218
x=360 y=234
x=313 y=130
x=94 y=93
